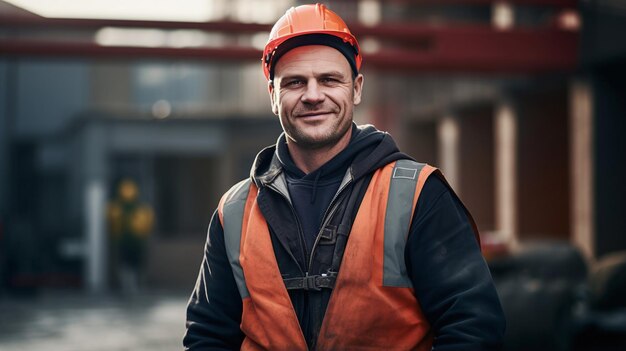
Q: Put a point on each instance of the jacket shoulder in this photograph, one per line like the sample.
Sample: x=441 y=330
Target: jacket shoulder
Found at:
x=236 y=194
x=412 y=170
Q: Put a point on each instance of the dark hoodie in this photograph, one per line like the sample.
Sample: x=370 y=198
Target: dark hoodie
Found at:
x=449 y=275
x=312 y=193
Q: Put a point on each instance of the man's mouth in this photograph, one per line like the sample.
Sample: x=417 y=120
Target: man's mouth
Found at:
x=313 y=114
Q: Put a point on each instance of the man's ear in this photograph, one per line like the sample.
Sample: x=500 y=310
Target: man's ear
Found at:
x=358 y=88
x=271 y=90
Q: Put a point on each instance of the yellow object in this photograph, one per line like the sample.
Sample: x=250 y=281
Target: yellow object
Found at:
x=142 y=220
x=127 y=190
x=124 y=214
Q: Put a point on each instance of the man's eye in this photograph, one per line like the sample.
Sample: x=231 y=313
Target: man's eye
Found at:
x=294 y=83
x=328 y=80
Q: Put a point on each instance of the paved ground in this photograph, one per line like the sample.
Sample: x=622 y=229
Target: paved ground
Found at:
x=71 y=321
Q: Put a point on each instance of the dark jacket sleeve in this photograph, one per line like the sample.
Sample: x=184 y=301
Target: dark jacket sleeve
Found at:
x=214 y=308
x=451 y=279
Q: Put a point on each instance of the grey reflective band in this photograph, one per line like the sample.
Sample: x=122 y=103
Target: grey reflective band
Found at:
x=232 y=215
x=398 y=220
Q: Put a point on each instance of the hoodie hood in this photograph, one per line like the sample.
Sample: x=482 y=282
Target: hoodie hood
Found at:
x=368 y=150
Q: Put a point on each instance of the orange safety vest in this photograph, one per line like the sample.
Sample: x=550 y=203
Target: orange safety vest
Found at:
x=373 y=305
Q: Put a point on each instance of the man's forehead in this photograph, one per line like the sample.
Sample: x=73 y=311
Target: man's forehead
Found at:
x=312 y=57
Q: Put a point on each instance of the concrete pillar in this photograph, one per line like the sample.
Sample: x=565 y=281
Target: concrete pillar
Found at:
x=95 y=235
x=448 y=133
x=505 y=129
x=94 y=188
x=581 y=158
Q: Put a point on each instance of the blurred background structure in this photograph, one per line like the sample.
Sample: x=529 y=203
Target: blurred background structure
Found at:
x=521 y=103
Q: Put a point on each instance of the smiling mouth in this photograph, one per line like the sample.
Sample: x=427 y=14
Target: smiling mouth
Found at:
x=314 y=114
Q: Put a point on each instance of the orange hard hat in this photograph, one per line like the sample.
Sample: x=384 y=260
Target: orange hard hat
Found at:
x=307 y=20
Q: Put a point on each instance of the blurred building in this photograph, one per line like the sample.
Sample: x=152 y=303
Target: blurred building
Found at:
x=521 y=103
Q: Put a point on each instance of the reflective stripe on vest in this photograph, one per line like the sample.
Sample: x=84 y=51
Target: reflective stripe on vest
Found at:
x=231 y=212
x=373 y=305
x=398 y=220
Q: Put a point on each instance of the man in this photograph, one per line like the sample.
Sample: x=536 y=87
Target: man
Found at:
x=130 y=223
x=338 y=241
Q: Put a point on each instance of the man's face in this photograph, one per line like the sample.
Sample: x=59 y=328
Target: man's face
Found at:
x=314 y=94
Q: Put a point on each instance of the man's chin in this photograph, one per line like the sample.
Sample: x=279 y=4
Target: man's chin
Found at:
x=311 y=142
x=316 y=141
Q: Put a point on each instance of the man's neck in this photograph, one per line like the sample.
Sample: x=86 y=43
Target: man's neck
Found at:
x=309 y=160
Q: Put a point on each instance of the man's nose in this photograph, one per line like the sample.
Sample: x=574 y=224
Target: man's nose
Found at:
x=313 y=93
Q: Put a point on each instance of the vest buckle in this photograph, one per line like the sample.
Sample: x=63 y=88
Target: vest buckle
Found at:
x=310 y=283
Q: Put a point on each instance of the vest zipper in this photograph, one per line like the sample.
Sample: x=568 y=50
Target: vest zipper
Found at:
x=300 y=232
x=330 y=211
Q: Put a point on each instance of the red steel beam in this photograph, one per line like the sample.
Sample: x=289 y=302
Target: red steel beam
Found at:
x=481 y=49
x=467 y=49
x=416 y=33
x=33 y=48
x=417 y=47
x=23 y=22
x=405 y=32
x=230 y=27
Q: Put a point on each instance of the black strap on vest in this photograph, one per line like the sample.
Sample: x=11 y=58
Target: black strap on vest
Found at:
x=311 y=282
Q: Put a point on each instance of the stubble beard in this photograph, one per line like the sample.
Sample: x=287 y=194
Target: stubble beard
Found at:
x=311 y=142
